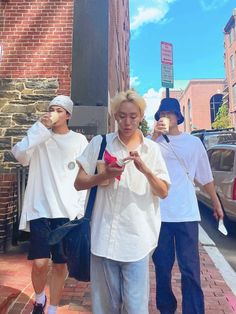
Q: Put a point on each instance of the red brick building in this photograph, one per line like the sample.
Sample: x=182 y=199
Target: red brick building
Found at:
x=200 y=100
x=72 y=47
x=230 y=66
x=36 y=38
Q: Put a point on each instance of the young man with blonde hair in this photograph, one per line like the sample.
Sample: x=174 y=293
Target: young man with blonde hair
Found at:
x=126 y=221
x=50 y=149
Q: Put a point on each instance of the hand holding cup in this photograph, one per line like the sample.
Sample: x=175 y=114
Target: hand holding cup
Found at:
x=49 y=119
x=161 y=127
x=54 y=116
x=101 y=168
x=166 y=124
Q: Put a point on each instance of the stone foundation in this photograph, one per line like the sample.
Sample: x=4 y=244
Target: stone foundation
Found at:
x=22 y=102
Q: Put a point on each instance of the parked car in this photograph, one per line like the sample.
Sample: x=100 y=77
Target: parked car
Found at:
x=210 y=138
x=222 y=159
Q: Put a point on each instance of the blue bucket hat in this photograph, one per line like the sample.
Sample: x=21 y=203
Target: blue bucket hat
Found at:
x=170 y=104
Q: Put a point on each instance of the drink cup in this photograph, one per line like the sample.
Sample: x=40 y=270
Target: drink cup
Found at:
x=54 y=116
x=166 y=122
x=101 y=168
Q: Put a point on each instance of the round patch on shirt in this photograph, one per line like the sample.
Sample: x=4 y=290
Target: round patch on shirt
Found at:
x=71 y=165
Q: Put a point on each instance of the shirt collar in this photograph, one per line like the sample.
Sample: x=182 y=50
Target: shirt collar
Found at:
x=144 y=145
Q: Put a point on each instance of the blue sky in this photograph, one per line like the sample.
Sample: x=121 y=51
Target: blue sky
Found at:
x=194 y=27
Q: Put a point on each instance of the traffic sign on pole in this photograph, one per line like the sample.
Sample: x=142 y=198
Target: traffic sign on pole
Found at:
x=166 y=53
x=167 y=75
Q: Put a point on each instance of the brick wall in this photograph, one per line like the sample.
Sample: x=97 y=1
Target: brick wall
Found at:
x=36 y=37
x=119 y=36
x=230 y=49
x=197 y=97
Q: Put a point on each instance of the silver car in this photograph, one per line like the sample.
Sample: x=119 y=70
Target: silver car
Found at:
x=222 y=159
x=214 y=137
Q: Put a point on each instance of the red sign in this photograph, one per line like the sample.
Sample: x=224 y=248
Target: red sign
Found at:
x=166 y=53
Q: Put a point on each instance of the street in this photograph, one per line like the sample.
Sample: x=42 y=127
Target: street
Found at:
x=225 y=244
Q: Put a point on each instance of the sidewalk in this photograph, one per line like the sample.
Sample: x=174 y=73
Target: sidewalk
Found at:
x=16 y=291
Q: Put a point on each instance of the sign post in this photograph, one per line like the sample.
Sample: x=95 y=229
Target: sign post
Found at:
x=167 y=75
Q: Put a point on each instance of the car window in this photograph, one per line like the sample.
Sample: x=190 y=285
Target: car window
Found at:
x=214 y=158
x=227 y=160
x=214 y=139
x=210 y=141
x=221 y=159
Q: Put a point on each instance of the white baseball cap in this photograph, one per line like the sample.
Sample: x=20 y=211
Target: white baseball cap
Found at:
x=62 y=101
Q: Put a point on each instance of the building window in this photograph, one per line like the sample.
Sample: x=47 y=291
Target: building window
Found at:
x=234 y=94
x=234 y=31
x=231 y=60
x=232 y=63
x=215 y=103
x=231 y=35
x=190 y=114
x=184 y=118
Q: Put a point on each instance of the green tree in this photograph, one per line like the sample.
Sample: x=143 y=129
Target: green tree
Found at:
x=222 y=119
x=144 y=127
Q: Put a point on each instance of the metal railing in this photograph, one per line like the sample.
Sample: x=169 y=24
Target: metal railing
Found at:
x=22 y=176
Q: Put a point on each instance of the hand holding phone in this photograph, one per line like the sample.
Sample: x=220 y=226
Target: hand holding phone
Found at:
x=121 y=162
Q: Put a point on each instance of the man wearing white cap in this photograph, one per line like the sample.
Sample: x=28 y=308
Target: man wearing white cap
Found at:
x=50 y=149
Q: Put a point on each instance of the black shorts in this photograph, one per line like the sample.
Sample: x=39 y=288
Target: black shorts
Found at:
x=39 y=236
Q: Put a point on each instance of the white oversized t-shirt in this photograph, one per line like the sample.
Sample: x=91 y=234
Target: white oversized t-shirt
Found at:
x=51 y=157
x=181 y=203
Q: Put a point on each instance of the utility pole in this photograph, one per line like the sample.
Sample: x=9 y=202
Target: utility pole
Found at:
x=167 y=93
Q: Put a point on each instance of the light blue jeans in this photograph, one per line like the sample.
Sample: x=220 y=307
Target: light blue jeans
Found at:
x=119 y=287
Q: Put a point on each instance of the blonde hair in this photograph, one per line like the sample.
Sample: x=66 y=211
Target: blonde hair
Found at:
x=130 y=96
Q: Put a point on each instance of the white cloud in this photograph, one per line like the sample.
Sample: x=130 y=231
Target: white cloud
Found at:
x=208 y=5
x=150 y=11
x=152 y=98
x=134 y=81
x=145 y=15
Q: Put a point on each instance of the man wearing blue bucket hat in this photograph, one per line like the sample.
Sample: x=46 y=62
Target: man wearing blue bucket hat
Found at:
x=186 y=161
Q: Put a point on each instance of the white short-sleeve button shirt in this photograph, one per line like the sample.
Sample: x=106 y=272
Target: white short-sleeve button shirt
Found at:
x=126 y=216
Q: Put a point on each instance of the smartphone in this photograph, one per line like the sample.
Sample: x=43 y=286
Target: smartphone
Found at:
x=126 y=161
x=121 y=163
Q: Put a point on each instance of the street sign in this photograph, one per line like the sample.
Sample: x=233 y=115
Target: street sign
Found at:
x=167 y=75
x=166 y=53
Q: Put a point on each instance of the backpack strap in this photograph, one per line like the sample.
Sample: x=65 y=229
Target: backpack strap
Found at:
x=93 y=190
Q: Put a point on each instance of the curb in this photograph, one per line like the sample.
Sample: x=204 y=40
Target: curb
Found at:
x=218 y=259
